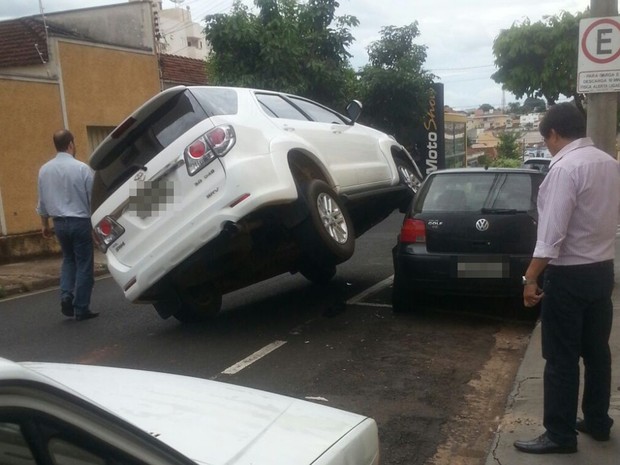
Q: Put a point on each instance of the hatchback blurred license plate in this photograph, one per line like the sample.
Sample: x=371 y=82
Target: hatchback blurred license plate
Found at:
x=478 y=267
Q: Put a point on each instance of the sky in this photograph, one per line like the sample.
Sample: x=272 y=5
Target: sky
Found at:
x=459 y=34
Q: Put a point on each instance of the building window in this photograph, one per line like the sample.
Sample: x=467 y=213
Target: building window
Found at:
x=96 y=134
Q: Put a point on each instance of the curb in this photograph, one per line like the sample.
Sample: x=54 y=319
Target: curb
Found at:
x=37 y=284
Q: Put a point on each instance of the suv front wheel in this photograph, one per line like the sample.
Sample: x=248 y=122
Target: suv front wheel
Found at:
x=326 y=236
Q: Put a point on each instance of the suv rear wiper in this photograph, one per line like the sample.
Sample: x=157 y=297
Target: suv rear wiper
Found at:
x=505 y=211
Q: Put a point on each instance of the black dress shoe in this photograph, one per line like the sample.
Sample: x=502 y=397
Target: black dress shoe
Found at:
x=66 y=307
x=86 y=316
x=585 y=428
x=543 y=445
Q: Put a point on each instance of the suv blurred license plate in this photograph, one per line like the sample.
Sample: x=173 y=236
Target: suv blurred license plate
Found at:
x=479 y=267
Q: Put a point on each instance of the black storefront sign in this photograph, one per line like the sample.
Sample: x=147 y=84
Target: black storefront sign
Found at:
x=431 y=138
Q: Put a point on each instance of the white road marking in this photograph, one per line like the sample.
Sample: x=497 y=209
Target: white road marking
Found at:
x=370 y=304
x=237 y=367
x=380 y=285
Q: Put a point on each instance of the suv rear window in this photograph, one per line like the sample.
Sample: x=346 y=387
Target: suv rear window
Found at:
x=477 y=191
x=167 y=123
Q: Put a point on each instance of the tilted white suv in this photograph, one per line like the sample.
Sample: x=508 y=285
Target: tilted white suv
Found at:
x=204 y=190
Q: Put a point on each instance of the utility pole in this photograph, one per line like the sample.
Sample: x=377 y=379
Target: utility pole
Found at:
x=603 y=107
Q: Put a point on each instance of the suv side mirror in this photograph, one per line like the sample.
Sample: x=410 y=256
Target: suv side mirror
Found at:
x=354 y=110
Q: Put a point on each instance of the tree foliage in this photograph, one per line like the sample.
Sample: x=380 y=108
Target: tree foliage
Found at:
x=530 y=105
x=288 y=46
x=394 y=86
x=508 y=146
x=508 y=150
x=540 y=59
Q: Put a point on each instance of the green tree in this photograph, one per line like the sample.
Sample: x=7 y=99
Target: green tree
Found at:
x=508 y=150
x=530 y=105
x=394 y=86
x=290 y=46
x=486 y=107
x=540 y=59
x=534 y=105
x=515 y=107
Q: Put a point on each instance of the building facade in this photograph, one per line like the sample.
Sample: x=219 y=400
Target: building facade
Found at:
x=455 y=126
x=84 y=70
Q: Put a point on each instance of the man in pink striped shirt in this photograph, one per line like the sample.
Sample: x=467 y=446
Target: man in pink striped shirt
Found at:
x=578 y=210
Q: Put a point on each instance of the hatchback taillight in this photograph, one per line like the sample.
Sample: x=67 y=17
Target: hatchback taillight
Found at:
x=413 y=231
x=106 y=232
x=216 y=142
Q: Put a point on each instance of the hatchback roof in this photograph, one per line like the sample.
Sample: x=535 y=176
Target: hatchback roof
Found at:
x=483 y=170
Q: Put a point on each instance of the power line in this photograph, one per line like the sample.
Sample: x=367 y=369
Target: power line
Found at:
x=462 y=69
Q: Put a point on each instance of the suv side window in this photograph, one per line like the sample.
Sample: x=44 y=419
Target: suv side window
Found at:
x=277 y=107
x=217 y=101
x=317 y=112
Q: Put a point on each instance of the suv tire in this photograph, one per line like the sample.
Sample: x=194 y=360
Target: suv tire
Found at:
x=326 y=235
x=317 y=274
x=198 y=305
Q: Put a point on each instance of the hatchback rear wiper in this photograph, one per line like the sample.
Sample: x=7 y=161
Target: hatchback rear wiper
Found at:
x=504 y=211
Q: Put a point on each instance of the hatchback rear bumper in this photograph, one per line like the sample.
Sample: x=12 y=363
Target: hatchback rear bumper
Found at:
x=448 y=274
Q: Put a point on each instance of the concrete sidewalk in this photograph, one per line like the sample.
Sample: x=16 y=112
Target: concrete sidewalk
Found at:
x=38 y=274
x=523 y=416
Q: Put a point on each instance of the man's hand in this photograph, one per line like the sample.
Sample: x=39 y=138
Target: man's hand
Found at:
x=532 y=294
x=46 y=230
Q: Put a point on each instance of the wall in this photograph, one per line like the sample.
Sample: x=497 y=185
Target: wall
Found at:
x=103 y=85
x=128 y=24
x=96 y=86
x=28 y=112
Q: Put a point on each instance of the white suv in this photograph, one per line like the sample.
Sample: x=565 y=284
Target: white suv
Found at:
x=204 y=190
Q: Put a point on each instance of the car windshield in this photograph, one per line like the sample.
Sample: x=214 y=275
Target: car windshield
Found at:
x=485 y=192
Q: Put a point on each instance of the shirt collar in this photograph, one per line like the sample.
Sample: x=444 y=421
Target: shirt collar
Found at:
x=63 y=155
x=571 y=147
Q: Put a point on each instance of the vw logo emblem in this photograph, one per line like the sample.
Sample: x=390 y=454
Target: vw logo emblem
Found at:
x=482 y=224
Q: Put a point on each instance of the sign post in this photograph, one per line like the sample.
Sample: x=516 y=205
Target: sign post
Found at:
x=599 y=46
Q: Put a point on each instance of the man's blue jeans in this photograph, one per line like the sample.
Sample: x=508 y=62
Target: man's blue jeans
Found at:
x=77 y=273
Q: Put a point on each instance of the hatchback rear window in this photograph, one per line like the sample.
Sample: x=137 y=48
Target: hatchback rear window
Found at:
x=478 y=191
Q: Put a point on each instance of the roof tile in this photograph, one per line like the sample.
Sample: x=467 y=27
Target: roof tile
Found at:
x=22 y=42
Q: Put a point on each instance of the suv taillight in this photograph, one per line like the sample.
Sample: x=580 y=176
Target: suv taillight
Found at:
x=216 y=142
x=106 y=232
x=413 y=231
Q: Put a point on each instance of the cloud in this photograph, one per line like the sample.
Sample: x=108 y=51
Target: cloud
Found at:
x=459 y=34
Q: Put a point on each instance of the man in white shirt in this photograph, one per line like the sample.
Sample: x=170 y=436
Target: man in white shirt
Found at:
x=578 y=213
x=65 y=186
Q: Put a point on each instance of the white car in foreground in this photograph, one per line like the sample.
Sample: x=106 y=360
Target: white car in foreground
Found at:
x=86 y=415
x=204 y=190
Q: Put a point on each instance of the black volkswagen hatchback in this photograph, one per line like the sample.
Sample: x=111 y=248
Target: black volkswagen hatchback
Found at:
x=468 y=232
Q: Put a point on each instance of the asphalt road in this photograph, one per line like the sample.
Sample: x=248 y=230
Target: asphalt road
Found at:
x=435 y=381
